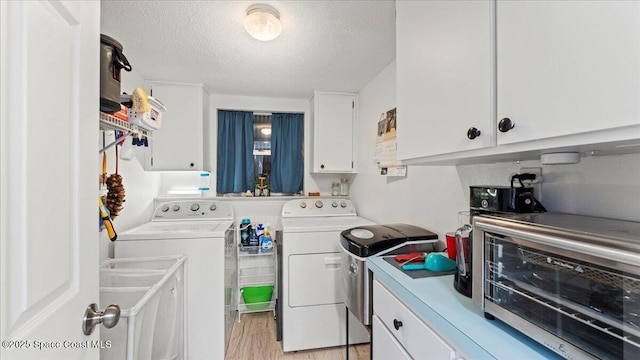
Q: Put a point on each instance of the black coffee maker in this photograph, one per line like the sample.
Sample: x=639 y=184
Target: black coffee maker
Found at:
x=488 y=200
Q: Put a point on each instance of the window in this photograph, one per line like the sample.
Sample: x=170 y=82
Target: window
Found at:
x=262 y=153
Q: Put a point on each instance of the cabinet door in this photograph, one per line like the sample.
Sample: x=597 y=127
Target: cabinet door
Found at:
x=567 y=67
x=444 y=76
x=333 y=135
x=410 y=331
x=177 y=145
x=383 y=345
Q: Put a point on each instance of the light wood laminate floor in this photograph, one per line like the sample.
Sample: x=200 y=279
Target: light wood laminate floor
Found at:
x=255 y=338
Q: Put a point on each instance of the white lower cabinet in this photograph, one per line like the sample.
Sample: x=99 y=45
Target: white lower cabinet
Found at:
x=403 y=329
x=383 y=344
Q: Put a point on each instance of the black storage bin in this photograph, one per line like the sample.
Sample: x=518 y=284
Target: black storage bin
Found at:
x=111 y=62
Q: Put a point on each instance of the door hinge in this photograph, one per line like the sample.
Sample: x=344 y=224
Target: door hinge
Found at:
x=352 y=164
x=353 y=104
x=151 y=161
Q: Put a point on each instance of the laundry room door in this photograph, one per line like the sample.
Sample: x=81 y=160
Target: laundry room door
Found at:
x=49 y=107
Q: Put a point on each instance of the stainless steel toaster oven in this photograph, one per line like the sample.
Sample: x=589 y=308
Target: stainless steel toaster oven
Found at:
x=570 y=282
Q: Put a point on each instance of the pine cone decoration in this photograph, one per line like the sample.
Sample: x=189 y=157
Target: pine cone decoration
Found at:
x=115 y=194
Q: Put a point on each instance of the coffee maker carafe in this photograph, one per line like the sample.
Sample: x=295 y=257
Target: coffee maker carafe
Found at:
x=486 y=200
x=462 y=276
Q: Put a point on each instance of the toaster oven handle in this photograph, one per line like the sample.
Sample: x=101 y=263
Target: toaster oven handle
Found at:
x=578 y=243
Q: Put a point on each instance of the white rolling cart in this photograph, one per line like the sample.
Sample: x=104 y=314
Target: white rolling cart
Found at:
x=257 y=287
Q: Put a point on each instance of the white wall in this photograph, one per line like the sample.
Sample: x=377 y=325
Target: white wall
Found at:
x=428 y=196
x=431 y=196
x=606 y=186
x=140 y=186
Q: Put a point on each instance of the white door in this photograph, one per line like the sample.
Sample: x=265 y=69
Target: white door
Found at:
x=334 y=121
x=48 y=177
x=444 y=76
x=182 y=123
x=567 y=67
x=384 y=345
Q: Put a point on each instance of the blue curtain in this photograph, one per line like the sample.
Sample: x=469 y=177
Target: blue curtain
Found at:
x=235 y=152
x=287 y=167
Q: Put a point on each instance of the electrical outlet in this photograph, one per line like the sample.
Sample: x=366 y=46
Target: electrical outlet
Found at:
x=532 y=170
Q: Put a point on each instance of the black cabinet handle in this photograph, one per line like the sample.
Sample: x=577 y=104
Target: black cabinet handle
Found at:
x=505 y=125
x=322 y=166
x=397 y=324
x=473 y=133
x=192 y=164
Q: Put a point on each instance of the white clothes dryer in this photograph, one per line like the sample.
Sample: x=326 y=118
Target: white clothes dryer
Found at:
x=203 y=230
x=313 y=310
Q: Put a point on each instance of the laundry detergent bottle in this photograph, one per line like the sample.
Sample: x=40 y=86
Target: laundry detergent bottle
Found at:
x=266 y=243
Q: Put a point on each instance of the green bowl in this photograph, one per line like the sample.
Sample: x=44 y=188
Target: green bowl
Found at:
x=257 y=297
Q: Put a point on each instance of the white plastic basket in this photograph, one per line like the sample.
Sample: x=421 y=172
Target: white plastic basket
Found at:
x=150 y=293
x=152 y=119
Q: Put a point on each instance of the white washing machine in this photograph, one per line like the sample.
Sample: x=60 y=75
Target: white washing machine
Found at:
x=204 y=231
x=313 y=310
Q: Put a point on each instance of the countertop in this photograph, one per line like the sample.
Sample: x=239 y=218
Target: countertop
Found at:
x=456 y=318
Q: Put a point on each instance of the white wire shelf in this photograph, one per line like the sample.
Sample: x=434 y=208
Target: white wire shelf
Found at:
x=110 y=122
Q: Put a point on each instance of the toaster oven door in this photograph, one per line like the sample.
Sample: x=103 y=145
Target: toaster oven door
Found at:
x=568 y=302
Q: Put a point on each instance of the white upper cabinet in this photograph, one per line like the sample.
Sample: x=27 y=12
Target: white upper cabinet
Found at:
x=567 y=67
x=444 y=77
x=334 y=120
x=564 y=76
x=177 y=145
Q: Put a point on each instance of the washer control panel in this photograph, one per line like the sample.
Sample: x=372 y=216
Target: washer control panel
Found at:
x=193 y=210
x=318 y=207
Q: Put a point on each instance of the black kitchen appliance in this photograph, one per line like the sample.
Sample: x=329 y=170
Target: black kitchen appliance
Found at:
x=569 y=282
x=490 y=200
x=375 y=240
x=112 y=60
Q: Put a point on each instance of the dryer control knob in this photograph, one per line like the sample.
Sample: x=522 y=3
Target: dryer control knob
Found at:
x=164 y=208
x=319 y=204
x=176 y=207
x=303 y=204
x=195 y=207
x=343 y=204
x=213 y=207
x=334 y=204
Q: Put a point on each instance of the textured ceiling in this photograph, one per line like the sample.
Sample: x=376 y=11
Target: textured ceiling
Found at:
x=324 y=45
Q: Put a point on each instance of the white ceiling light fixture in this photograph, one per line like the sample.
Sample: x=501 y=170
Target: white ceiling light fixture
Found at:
x=266 y=131
x=263 y=22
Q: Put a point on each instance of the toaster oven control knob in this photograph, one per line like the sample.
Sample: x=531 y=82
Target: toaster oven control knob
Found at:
x=505 y=125
x=303 y=204
x=484 y=203
x=176 y=207
x=343 y=204
x=195 y=207
x=164 y=208
x=213 y=207
x=319 y=204
x=334 y=204
x=397 y=324
x=473 y=133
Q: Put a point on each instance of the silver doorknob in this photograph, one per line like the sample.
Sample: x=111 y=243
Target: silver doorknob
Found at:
x=92 y=317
